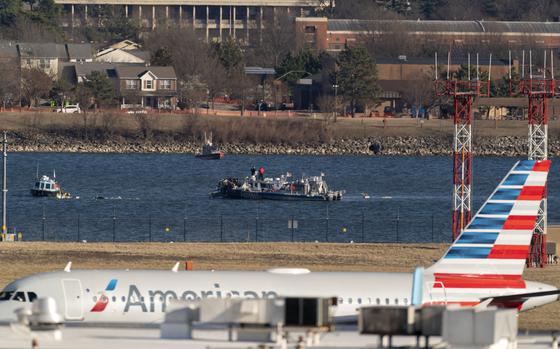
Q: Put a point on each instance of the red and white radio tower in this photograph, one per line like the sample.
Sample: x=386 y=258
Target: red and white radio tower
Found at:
x=463 y=93
x=538 y=89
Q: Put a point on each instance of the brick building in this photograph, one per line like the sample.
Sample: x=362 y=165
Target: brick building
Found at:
x=335 y=34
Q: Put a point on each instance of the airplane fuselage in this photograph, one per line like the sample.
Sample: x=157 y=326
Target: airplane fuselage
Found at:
x=142 y=296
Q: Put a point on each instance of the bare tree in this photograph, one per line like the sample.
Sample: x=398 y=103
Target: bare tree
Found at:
x=9 y=87
x=35 y=84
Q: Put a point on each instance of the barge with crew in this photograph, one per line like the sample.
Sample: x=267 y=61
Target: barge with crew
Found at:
x=285 y=187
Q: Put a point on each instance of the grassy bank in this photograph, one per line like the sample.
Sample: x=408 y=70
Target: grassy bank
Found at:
x=244 y=129
x=23 y=259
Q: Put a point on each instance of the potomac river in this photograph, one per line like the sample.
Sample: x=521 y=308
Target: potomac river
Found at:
x=165 y=197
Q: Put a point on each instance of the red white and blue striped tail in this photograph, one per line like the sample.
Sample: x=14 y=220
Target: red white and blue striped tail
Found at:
x=493 y=247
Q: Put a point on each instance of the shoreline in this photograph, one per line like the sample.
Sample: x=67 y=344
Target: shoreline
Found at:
x=510 y=146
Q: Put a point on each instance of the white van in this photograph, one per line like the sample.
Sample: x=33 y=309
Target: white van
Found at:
x=69 y=109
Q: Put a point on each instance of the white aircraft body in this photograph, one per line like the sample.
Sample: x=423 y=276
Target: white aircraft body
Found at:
x=483 y=267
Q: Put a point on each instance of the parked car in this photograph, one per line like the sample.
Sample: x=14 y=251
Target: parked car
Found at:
x=69 y=109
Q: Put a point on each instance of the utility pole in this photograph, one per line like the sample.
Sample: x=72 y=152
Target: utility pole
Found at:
x=4 y=184
x=335 y=86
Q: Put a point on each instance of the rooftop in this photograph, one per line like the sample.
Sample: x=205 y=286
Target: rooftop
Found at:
x=264 y=3
x=79 y=51
x=134 y=72
x=444 y=26
x=42 y=50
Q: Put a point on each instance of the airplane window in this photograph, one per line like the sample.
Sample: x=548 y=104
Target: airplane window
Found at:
x=369 y=300
x=31 y=296
x=340 y=300
x=387 y=301
x=406 y=301
x=123 y=298
x=19 y=296
x=359 y=301
x=114 y=299
x=141 y=299
x=4 y=296
x=396 y=301
x=94 y=298
x=378 y=301
x=87 y=290
x=349 y=300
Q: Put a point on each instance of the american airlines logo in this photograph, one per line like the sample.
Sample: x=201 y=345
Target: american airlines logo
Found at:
x=103 y=300
x=156 y=300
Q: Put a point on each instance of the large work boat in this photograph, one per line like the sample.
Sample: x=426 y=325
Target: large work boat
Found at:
x=285 y=187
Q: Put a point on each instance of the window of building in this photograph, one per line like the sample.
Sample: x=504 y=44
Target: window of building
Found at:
x=165 y=84
x=131 y=84
x=310 y=29
x=149 y=84
x=44 y=63
x=28 y=61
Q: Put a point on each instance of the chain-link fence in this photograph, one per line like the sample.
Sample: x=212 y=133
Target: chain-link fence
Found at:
x=359 y=227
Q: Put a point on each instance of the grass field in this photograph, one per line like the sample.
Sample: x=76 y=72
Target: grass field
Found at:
x=21 y=259
x=178 y=123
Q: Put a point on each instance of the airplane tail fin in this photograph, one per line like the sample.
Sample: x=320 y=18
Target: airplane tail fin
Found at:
x=493 y=247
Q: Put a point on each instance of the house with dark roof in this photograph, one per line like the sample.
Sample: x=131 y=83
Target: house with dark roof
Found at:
x=147 y=87
x=79 y=52
x=8 y=53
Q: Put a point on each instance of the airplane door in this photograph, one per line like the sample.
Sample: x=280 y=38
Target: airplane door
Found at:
x=73 y=298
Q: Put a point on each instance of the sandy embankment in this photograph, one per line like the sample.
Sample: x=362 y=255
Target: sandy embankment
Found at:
x=21 y=259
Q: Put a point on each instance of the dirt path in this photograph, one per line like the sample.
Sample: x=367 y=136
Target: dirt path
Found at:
x=21 y=259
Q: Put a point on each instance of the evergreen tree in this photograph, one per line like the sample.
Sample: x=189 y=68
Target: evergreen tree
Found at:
x=229 y=53
x=357 y=77
x=294 y=67
x=9 y=9
x=48 y=10
x=490 y=7
x=100 y=89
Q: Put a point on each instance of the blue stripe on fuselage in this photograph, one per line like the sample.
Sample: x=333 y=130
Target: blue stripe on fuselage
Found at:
x=471 y=237
x=525 y=165
x=516 y=179
x=468 y=252
x=487 y=223
x=112 y=285
x=496 y=208
x=506 y=194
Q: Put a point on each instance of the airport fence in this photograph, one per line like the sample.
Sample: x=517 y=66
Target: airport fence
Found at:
x=237 y=228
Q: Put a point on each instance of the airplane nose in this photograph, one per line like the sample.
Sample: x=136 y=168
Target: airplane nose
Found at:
x=8 y=311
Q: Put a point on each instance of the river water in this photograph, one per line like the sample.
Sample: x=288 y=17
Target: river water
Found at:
x=164 y=197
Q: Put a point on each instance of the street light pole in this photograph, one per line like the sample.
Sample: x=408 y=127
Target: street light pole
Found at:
x=335 y=86
x=4 y=184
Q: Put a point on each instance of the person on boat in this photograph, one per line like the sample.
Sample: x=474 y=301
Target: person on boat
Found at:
x=253 y=170
x=261 y=173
